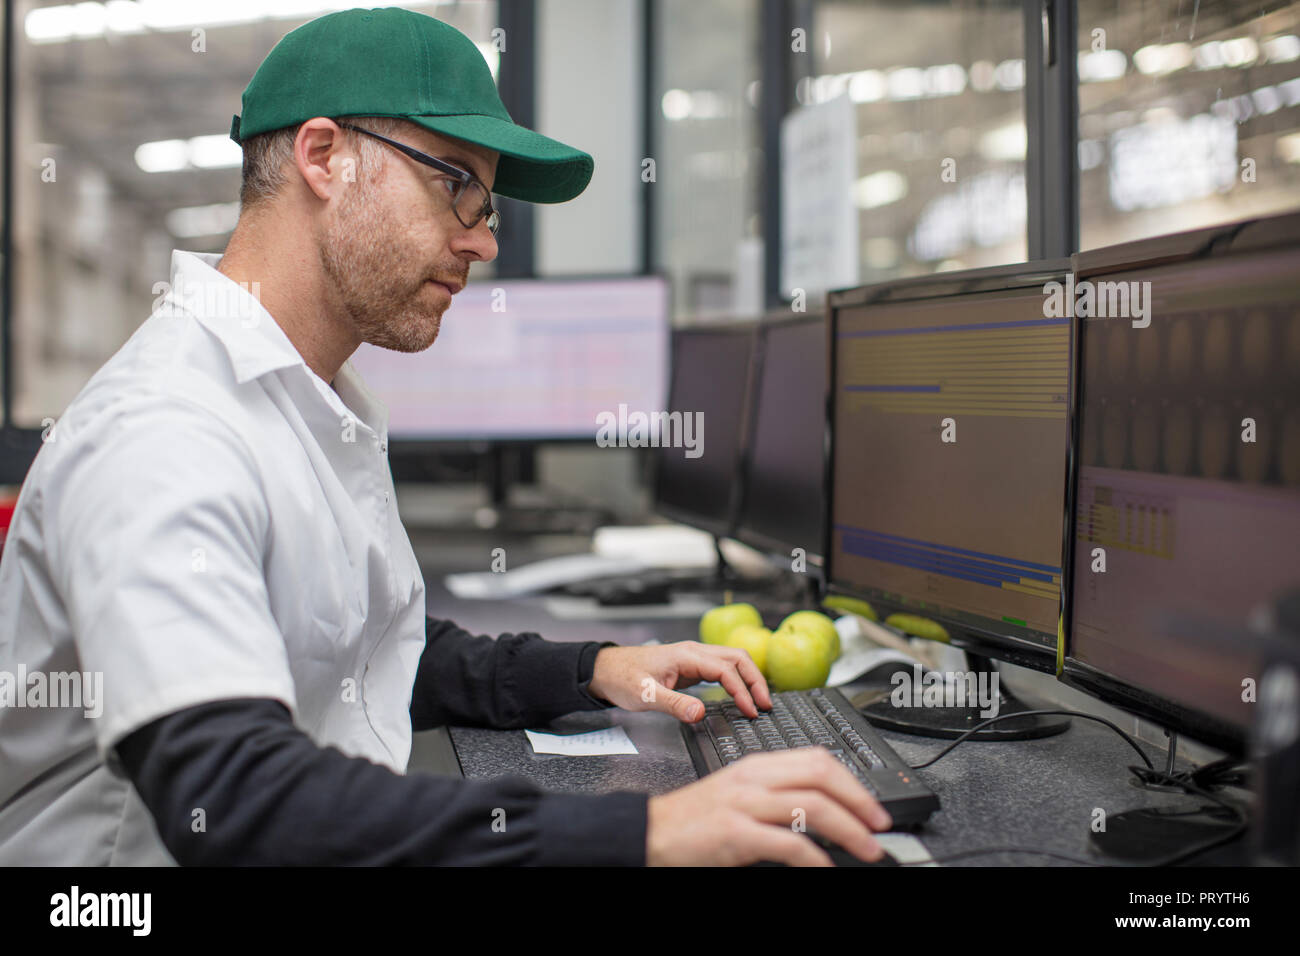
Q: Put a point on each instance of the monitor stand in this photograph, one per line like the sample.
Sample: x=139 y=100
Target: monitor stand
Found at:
x=502 y=466
x=952 y=722
x=1150 y=835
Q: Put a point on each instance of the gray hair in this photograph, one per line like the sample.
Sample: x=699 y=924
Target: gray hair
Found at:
x=267 y=155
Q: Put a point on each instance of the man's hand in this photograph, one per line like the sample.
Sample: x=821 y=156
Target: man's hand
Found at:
x=746 y=812
x=647 y=678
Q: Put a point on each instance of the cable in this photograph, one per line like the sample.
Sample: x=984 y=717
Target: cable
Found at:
x=1222 y=771
x=1177 y=856
x=1191 y=788
x=1026 y=713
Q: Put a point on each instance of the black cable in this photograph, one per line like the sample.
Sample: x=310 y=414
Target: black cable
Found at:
x=1026 y=713
x=1176 y=857
x=1193 y=789
x=1222 y=770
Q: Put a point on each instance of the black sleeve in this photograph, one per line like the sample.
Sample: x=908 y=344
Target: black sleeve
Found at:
x=270 y=796
x=514 y=681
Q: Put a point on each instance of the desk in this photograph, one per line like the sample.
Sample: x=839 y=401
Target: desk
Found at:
x=1036 y=793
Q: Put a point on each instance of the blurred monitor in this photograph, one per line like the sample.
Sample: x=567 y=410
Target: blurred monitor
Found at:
x=1188 y=470
x=948 y=448
x=782 y=480
x=519 y=359
x=696 y=475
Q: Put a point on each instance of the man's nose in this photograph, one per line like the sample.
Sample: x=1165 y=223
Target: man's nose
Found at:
x=477 y=243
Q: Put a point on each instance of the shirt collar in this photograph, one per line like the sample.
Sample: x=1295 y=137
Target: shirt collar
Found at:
x=230 y=311
x=254 y=340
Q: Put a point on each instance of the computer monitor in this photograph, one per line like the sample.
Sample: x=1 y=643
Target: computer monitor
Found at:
x=710 y=378
x=949 y=435
x=782 y=477
x=1187 y=477
x=529 y=360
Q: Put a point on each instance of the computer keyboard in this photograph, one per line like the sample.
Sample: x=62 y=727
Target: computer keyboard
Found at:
x=811 y=718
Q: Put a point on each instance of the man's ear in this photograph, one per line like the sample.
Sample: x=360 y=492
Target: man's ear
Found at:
x=322 y=158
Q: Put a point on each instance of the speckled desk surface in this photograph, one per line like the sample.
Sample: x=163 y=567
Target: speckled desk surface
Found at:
x=1039 y=794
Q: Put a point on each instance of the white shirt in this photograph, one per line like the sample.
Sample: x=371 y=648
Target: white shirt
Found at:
x=208 y=520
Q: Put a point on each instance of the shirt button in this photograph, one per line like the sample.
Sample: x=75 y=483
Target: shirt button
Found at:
x=383 y=447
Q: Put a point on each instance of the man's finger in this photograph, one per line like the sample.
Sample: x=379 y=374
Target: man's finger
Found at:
x=684 y=707
x=813 y=768
x=814 y=809
x=723 y=670
x=777 y=844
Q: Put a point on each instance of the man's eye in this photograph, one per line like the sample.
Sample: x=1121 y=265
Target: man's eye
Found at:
x=452 y=186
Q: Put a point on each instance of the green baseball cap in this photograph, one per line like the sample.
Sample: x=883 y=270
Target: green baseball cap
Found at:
x=393 y=62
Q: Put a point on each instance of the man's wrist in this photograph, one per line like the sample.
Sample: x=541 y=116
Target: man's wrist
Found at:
x=587 y=671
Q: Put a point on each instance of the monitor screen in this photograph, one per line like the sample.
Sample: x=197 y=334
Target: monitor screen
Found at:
x=949 y=443
x=782 y=486
x=710 y=380
x=529 y=359
x=1188 y=489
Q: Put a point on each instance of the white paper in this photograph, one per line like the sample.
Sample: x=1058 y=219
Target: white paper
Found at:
x=819 y=219
x=611 y=740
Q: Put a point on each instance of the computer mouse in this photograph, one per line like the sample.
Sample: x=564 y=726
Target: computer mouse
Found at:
x=840 y=856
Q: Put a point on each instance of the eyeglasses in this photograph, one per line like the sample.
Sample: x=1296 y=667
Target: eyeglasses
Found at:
x=470 y=199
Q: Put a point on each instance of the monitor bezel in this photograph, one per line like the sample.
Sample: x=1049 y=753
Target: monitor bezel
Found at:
x=718 y=526
x=771 y=546
x=1236 y=238
x=986 y=641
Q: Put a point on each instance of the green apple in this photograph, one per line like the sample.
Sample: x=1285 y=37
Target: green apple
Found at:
x=718 y=622
x=797 y=659
x=819 y=624
x=838 y=602
x=752 y=638
x=918 y=626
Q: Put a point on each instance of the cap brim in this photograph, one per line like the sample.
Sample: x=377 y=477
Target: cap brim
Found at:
x=532 y=167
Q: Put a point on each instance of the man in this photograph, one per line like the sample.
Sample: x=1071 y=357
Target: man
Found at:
x=212 y=529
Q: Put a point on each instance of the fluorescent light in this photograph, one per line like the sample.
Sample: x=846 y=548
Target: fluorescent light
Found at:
x=215 y=152
x=879 y=189
x=200 y=152
x=1288 y=148
x=1005 y=143
x=163 y=156
x=948 y=79
x=123 y=16
x=1010 y=75
x=676 y=104
x=1283 y=49
x=1101 y=65
x=907 y=83
x=1161 y=58
x=50 y=24
x=1242 y=51
x=867 y=86
x=1267 y=99
x=82 y=21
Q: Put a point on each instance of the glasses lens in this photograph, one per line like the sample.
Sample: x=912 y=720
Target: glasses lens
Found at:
x=472 y=205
